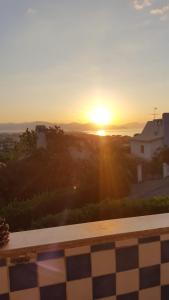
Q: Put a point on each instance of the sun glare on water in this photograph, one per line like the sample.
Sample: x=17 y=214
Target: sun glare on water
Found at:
x=101 y=116
x=101 y=132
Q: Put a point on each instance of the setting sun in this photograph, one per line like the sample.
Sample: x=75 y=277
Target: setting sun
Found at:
x=100 y=116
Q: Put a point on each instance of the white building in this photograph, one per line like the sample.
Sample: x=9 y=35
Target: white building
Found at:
x=154 y=136
x=41 y=137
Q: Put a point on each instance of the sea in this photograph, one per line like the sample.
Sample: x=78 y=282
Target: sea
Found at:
x=100 y=132
x=122 y=132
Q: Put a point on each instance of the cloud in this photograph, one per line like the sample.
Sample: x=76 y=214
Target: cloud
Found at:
x=141 y=4
x=30 y=11
x=163 y=12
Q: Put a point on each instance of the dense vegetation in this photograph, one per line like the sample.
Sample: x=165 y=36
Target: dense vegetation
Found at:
x=49 y=187
x=108 y=167
x=38 y=213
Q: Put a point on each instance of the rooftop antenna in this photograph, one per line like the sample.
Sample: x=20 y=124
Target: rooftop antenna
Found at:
x=155 y=114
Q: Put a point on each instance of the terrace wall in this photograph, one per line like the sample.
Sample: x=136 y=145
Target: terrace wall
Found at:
x=125 y=259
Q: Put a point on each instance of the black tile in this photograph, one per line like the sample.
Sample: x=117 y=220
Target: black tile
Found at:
x=131 y=296
x=50 y=255
x=102 y=247
x=4 y=297
x=23 y=276
x=165 y=292
x=149 y=239
x=2 y=262
x=78 y=266
x=150 y=277
x=53 y=292
x=165 y=251
x=104 y=286
x=127 y=258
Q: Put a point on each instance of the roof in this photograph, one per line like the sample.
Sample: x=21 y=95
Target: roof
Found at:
x=153 y=130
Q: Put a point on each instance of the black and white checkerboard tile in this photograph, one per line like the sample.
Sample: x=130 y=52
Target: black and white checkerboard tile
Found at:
x=135 y=269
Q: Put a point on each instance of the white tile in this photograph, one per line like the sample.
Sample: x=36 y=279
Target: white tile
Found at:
x=4 y=280
x=77 y=251
x=29 y=257
x=80 y=289
x=127 y=281
x=51 y=271
x=126 y=243
x=165 y=237
x=30 y=294
x=109 y=298
x=103 y=262
x=150 y=294
x=149 y=254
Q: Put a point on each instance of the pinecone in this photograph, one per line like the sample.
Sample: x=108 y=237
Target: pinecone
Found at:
x=4 y=232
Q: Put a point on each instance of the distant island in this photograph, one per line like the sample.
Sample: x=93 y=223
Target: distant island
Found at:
x=74 y=126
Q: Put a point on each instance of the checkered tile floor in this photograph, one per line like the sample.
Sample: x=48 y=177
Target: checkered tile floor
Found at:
x=135 y=269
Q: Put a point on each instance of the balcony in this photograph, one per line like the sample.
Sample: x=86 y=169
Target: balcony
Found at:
x=124 y=259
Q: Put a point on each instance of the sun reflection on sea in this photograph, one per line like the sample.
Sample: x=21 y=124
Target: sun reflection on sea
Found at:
x=101 y=132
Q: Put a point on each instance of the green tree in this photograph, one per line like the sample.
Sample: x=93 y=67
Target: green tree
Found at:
x=55 y=139
x=26 y=145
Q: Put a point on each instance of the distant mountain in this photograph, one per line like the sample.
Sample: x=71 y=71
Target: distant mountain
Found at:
x=21 y=126
x=133 y=125
x=18 y=127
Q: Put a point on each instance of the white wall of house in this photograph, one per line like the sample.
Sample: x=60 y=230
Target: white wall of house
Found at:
x=155 y=146
x=165 y=170
x=41 y=140
x=141 y=149
x=145 y=150
x=154 y=136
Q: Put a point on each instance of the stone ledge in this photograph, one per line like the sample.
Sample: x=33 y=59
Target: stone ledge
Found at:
x=85 y=234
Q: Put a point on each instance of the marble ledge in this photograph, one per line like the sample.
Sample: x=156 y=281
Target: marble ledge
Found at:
x=77 y=235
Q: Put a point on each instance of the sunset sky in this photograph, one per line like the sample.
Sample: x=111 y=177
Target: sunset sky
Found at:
x=60 y=59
